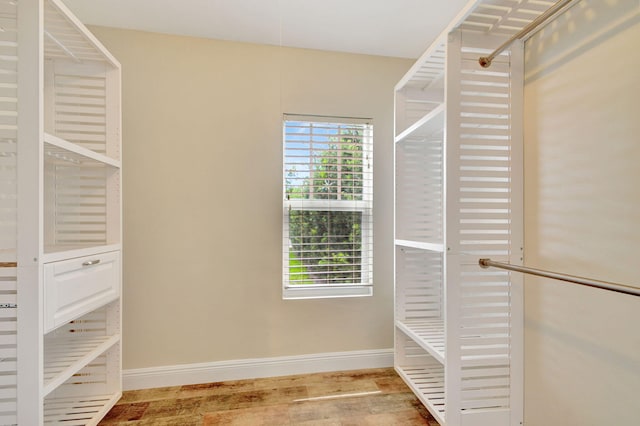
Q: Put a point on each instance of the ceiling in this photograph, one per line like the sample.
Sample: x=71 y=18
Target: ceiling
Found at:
x=400 y=28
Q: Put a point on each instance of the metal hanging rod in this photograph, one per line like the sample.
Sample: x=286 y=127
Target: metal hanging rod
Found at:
x=605 y=285
x=485 y=61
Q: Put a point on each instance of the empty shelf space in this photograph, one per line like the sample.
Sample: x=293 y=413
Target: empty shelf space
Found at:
x=429 y=126
x=60 y=150
x=65 y=356
x=439 y=248
x=428 y=384
x=78 y=411
x=428 y=333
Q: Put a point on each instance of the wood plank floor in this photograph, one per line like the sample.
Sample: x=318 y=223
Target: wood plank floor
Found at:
x=363 y=397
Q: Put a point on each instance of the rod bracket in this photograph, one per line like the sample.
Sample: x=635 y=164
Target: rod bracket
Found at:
x=484 y=61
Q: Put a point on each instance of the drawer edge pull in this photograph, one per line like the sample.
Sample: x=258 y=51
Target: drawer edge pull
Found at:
x=91 y=262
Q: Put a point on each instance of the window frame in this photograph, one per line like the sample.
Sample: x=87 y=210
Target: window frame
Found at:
x=364 y=207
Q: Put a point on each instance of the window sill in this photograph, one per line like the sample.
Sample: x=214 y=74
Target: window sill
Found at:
x=292 y=293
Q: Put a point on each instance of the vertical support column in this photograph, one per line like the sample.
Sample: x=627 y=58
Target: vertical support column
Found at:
x=30 y=217
x=113 y=150
x=113 y=318
x=113 y=121
x=516 y=257
x=451 y=228
x=400 y=112
x=113 y=115
x=50 y=232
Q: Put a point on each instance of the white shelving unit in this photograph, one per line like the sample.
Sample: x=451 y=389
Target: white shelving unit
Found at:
x=60 y=218
x=458 y=189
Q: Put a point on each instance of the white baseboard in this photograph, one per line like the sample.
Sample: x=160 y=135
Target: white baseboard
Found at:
x=189 y=374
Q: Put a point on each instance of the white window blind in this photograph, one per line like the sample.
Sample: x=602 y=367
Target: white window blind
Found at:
x=328 y=200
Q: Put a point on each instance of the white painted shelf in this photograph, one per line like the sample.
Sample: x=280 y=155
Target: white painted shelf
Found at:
x=85 y=411
x=65 y=356
x=428 y=386
x=61 y=151
x=428 y=333
x=428 y=127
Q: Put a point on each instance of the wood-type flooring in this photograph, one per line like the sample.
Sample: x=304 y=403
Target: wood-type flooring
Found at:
x=349 y=398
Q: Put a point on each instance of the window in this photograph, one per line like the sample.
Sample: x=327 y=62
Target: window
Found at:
x=328 y=200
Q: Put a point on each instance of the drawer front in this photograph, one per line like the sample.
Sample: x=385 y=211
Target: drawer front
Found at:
x=77 y=286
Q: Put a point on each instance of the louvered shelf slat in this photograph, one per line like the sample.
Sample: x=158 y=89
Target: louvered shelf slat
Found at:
x=435 y=247
x=66 y=356
x=428 y=333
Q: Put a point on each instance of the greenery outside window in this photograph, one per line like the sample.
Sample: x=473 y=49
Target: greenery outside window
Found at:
x=328 y=203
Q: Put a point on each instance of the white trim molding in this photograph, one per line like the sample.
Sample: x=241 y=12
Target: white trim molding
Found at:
x=188 y=374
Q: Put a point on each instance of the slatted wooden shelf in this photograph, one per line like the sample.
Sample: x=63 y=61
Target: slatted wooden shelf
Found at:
x=428 y=70
x=64 y=357
x=428 y=333
x=84 y=411
x=59 y=150
x=429 y=126
x=428 y=384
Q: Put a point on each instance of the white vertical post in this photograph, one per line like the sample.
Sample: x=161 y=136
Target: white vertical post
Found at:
x=400 y=111
x=113 y=318
x=517 y=232
x=451 y=225
x=397 y=300
x=113 y=150
x=113 y=112
x=30 y=217
x=114 y=179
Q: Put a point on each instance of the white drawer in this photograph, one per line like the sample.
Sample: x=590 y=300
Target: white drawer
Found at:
x=77 y=286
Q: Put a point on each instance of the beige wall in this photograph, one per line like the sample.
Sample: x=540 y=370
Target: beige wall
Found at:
x=582 y=214
x=202 y=197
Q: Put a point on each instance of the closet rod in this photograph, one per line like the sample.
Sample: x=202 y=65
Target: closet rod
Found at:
x=605 y=285
x=8 y=264
x=485 y=61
